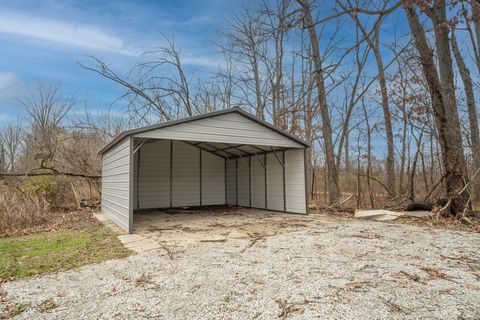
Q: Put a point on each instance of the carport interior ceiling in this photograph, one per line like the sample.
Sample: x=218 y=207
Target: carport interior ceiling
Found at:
x=224 y=150
x=226 y=157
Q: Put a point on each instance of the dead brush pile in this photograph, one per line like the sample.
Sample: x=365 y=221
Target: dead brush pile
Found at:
x=39 y=204
x=20 y=210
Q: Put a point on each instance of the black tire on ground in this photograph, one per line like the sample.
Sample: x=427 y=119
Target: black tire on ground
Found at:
x=441 y=202
x=419 y=206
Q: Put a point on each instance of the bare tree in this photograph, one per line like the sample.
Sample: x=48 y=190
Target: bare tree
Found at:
x=155 y=93
x=47 y=108
x=374 y=43
x=442 y=93
x=11 y=146
x=279 y=22
x=105 y=125
x=247 y=46
x=473 y=36
x=471 y=110
x=332 y=171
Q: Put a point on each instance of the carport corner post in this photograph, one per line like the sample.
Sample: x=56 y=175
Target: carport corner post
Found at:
x=305 y=166
x=130 y=191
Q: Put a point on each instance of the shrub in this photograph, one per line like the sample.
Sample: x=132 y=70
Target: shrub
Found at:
x=45 y=187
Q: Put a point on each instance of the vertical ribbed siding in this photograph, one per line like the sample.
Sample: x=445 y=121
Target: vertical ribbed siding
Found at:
x=285 y=186
x=243 y=182
x=116 y=184
x=258 y=183
x=213 y=179
x=231 y=182
x=295 y=181
x=186 y=175
x=274 y=182
x=154 y=175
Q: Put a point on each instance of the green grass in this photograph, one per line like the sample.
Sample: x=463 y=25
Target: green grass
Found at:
x=48 y=252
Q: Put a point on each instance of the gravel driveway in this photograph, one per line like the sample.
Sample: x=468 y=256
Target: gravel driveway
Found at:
x=352 y=269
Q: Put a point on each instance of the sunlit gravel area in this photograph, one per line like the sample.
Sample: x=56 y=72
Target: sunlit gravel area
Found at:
x=346 y=270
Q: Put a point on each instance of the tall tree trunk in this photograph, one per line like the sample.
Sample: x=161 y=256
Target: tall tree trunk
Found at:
x=374 y=44
x=308 y=115
x=443 y=99
x=369 y=156
x=386 y=116
x=3 y=166
x=359 y=183
x=404 y=147
x=332 y=172
x=258 y=91
x=472 y=113
x=476 y=25
x=347 y=157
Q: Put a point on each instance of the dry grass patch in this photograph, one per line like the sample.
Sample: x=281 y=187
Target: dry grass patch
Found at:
x=52 y=251
x=441 y=223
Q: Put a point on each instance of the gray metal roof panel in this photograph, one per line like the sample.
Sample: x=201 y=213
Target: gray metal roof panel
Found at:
x=127 y=133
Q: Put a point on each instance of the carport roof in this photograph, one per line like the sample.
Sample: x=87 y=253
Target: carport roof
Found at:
x=166 y=124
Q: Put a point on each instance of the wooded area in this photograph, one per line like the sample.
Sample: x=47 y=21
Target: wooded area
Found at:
x=392 y=118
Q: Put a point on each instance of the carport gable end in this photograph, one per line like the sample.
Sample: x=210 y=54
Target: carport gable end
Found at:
x=222 y=157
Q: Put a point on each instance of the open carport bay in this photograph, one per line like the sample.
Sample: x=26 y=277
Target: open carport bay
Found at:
x=222 y=157
x=217 y=224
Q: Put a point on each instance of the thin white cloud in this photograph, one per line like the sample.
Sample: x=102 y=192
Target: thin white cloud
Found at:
x=98 y=112
x=199 y=20
x=89 y=37
x=7 y=79
x=63 y=32
x=203 y=60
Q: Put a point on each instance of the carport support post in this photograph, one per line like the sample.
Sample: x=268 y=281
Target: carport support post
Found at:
x=250 y=181
x=200 y=176
x=284 y=183
x=306 y=178
x=138 y=178
x=171 y=173
x=265 y=167
x=236 y=181
x=130 y=187
x=225 y=170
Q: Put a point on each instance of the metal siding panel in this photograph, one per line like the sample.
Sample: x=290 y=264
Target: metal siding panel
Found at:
x=231 y=182
x=186 y=175
x=227 y=128
x=274 y=183
x=116 y=184
x=154 y=175
x=295 y=181
x=243 y=183
x=213 y=179
x=120 y=150
x=258 y=183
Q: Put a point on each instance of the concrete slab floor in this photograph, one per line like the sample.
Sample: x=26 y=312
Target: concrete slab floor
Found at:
x=182 y=227
x=174 y=228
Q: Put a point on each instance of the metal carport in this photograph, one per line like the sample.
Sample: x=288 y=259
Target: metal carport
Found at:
x=222 y=157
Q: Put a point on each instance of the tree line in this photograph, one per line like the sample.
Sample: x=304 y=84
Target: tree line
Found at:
x=391 y=112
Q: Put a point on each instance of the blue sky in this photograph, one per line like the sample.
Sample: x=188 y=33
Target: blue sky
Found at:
x=44 y=40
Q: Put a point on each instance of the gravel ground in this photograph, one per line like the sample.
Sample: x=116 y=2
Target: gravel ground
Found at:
x=352 y=269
